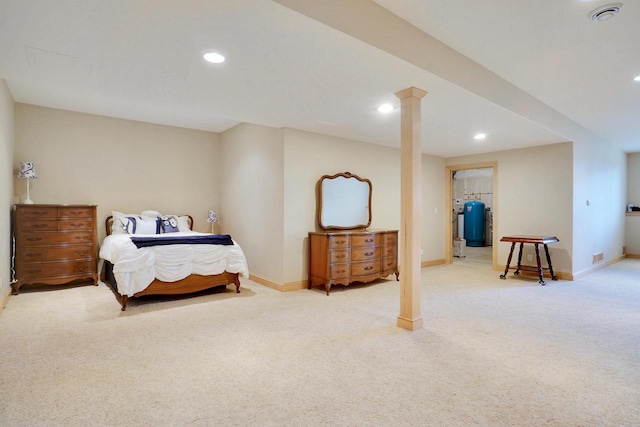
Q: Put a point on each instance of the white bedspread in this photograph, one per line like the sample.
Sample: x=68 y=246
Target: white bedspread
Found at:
x=134 y=269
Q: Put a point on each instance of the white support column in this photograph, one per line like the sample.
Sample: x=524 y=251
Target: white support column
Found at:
x=410 y=200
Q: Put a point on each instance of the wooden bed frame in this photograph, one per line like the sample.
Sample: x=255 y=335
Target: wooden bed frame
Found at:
x=190 y=284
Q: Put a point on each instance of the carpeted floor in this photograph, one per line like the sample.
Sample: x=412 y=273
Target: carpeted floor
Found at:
x=481 y=256
x=493 y=352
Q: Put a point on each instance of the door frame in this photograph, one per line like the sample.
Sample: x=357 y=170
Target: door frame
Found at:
x=449 y=171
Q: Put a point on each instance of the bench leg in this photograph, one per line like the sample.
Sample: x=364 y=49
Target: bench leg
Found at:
x=517 y=272
x=504 y=276
x=540 y=271
x=546 y=251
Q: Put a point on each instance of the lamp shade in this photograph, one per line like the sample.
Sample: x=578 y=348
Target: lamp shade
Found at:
x=27 y=170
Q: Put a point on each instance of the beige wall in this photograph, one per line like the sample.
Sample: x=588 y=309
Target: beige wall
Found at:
x=252 y=196
x=633 y=178
x=261 y=180
x=269 y=200
x=309 y=156
x=6 y=185
x=632 y=229
x=600 y=176
x=117 y=164
x=534 y=196
x=433 y=209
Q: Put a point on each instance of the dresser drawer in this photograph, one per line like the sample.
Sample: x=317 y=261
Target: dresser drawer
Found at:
x=390 y=239
x=339 y=271
x=365 y=268
x=339 y=255
x=51 y=269
x=46 y=253
x=365 y=254
x=359 y=240
x=75 y=224
x=339 y=242
x=39 y=212
x=35 y=239
x=38 y=225
x=388 y=251
x=75 y=212
x=389 y=264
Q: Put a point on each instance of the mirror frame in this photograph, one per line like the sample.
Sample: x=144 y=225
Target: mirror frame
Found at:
x=320 y=204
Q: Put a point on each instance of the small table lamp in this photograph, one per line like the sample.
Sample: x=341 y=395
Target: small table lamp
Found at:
x=28 y=171
x=212 y=218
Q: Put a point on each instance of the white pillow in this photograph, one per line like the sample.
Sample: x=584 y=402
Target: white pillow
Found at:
x=120 y=220
x=143 y=225
x=183 y=223
x=152 y=214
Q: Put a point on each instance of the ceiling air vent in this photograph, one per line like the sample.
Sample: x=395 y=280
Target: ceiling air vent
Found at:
x=605 y=12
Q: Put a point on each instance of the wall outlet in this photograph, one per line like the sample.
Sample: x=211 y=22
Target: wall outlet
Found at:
x=599 y=257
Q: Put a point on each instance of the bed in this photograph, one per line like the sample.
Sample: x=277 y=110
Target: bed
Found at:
x=153 y=262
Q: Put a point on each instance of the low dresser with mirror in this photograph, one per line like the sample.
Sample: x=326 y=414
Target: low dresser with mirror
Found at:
x=346 y=250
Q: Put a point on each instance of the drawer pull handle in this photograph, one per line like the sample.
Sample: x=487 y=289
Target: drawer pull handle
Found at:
x=82 y=237
x=32 y=255
x=82 y=268
x=34 y=239
x=368 y=240
x=77 y=224
x=84 y=252
x=341 y=242
x=369 y=253
x=368 y=268
x=40 y=213
x=340 y=256
x=342 y=271
x=38 y=226
x=33 y=271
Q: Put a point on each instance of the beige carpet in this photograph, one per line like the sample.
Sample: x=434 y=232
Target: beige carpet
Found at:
x=476 y=257
x=493 y=352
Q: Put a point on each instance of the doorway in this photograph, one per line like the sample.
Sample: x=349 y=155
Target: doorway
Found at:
x=472 y=187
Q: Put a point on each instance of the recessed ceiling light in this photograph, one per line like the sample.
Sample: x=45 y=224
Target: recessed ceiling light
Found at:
x=214 y=57
x=385 y=108
x=605 y=12
x=636 y=79
x=480 y=136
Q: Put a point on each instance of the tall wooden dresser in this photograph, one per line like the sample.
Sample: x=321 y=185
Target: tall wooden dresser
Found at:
x=54 y=244
x=344 y=257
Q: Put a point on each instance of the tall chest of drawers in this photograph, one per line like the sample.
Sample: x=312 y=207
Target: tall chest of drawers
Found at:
x=345 y=257
x=54 y=244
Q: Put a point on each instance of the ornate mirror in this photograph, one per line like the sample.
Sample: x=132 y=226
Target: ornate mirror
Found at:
x=344 y=202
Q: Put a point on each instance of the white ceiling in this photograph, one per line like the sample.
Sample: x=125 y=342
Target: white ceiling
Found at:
x=141 y=60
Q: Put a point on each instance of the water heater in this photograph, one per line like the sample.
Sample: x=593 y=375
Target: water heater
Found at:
x=474 y=232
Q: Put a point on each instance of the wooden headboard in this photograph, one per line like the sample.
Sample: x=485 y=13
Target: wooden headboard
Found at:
x=109 y=222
